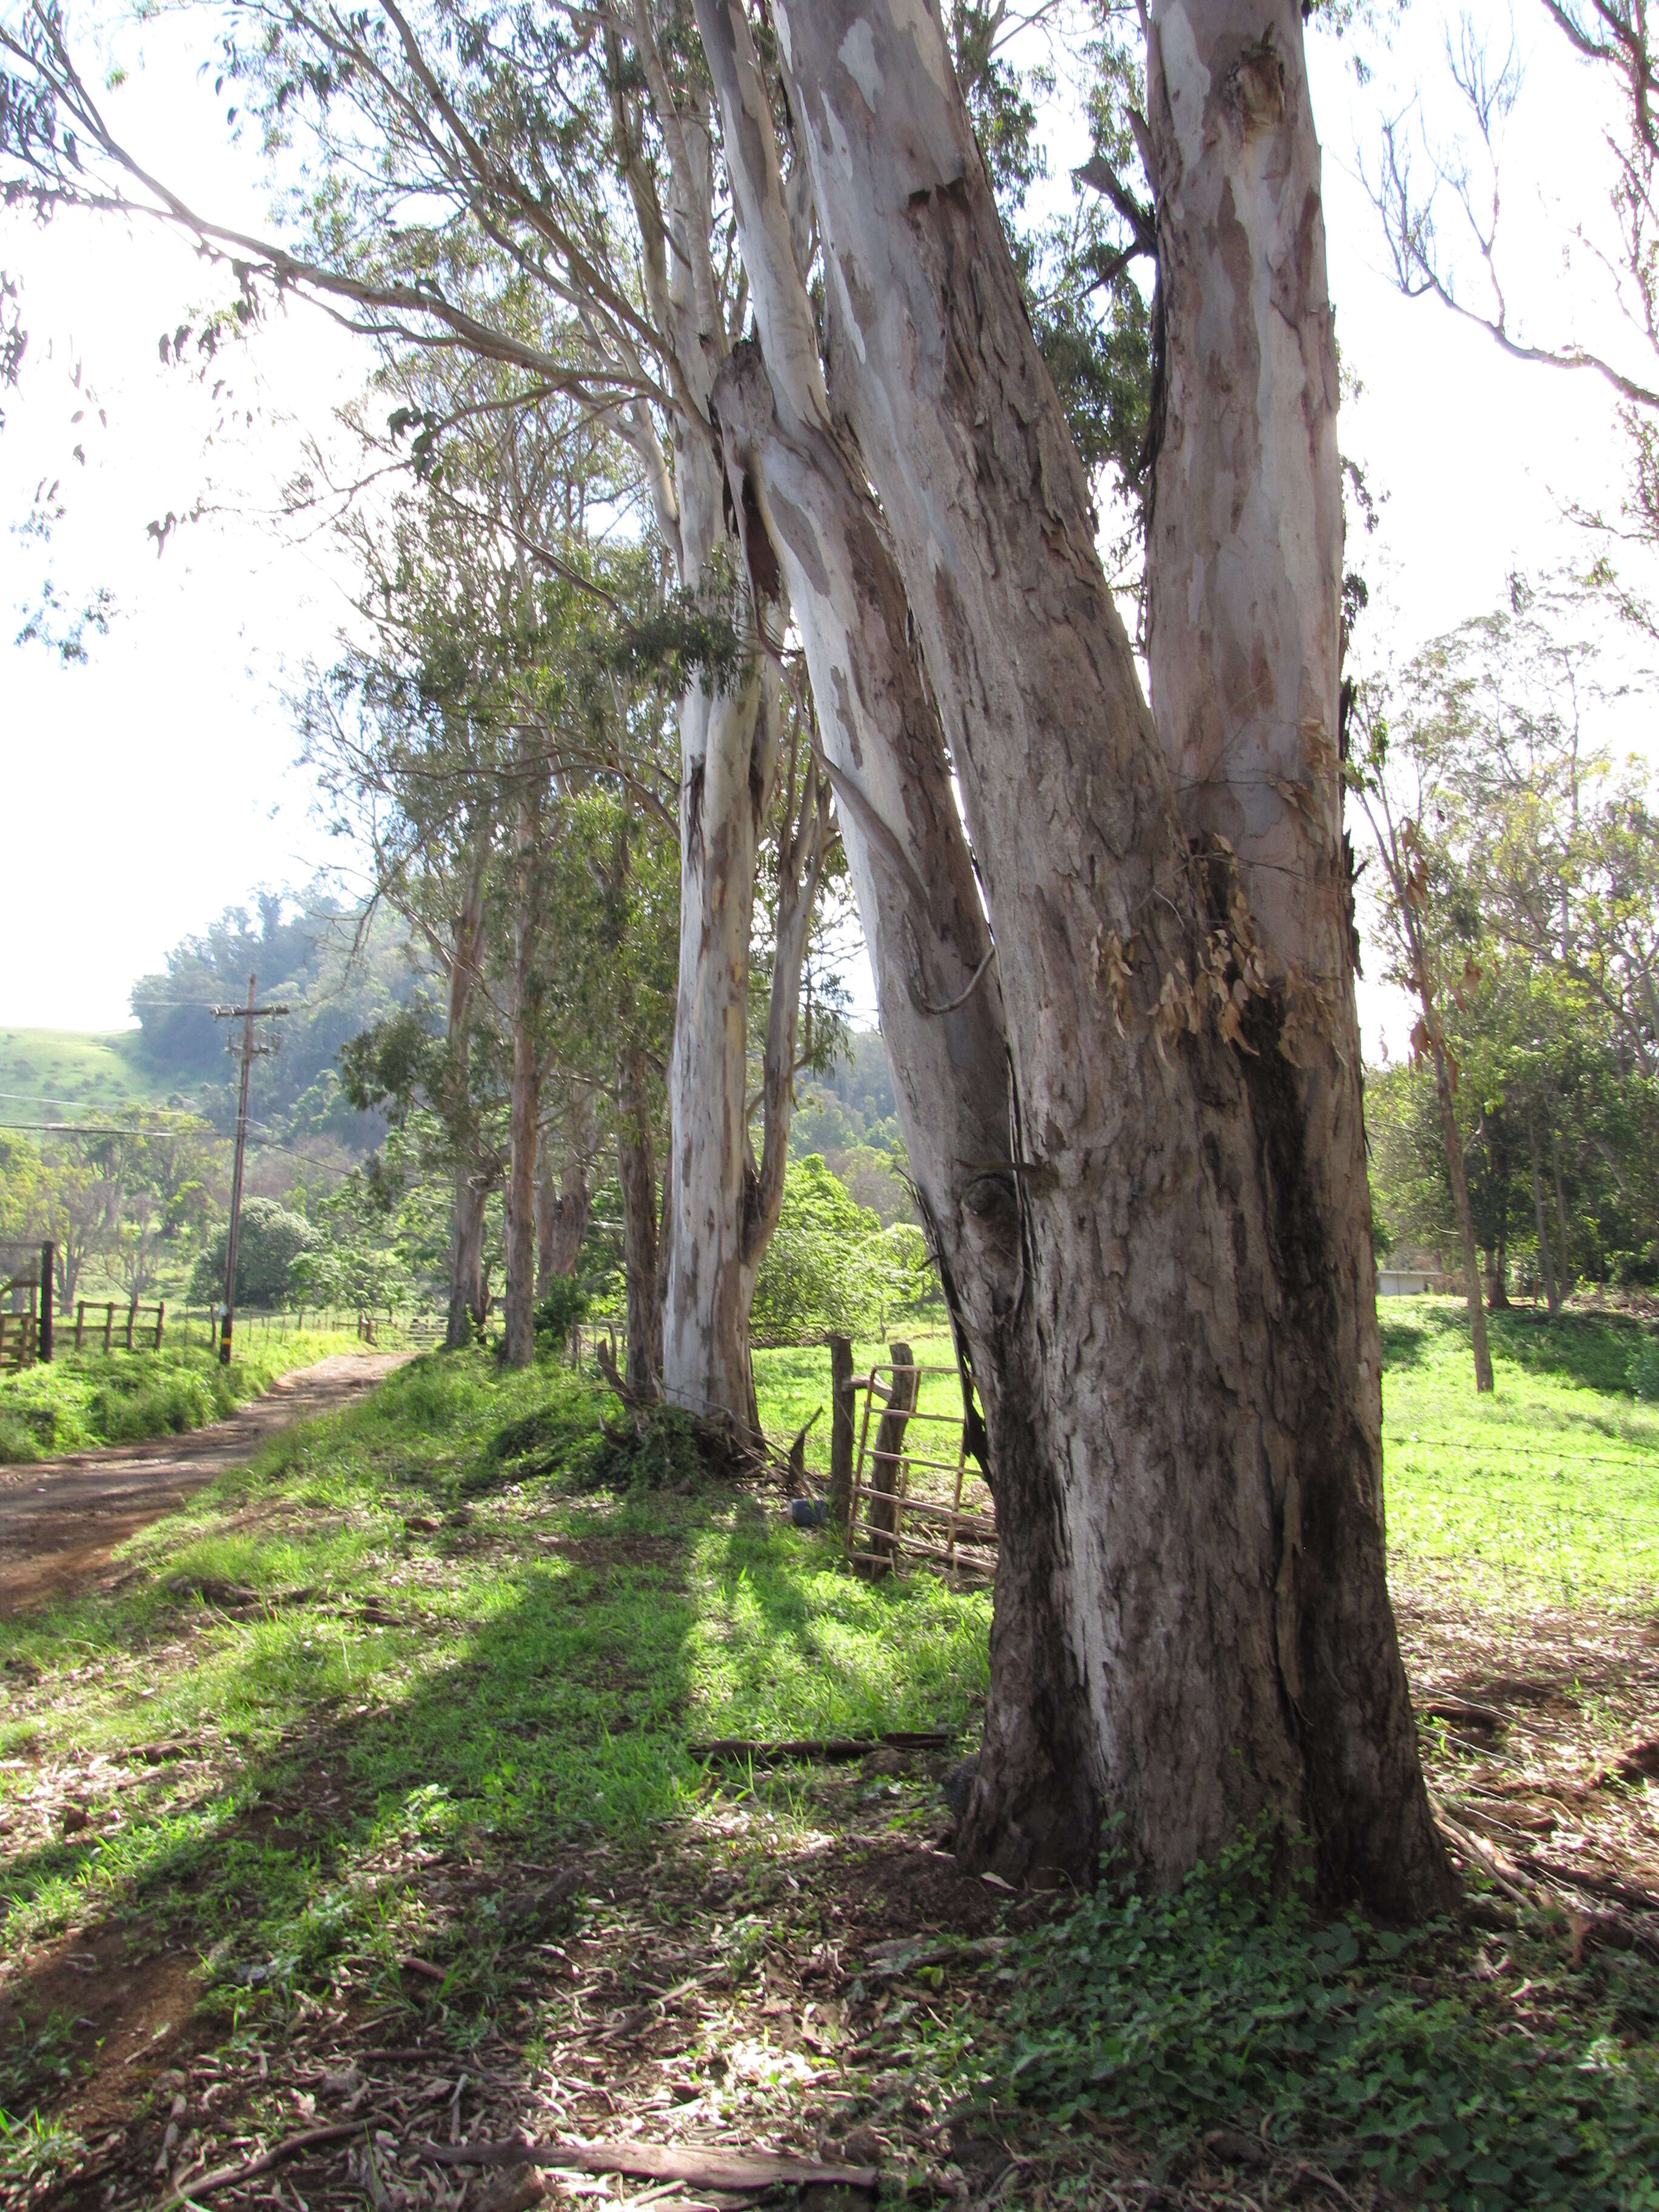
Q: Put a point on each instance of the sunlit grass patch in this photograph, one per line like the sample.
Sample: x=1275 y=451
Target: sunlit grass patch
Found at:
x=1547 y=1488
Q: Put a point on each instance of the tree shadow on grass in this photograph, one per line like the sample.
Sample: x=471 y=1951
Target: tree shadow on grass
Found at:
x=441 y=1826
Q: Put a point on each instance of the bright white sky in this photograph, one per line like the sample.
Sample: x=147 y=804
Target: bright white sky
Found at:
x=154 y=785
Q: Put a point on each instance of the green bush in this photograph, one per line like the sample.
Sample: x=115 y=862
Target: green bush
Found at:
x=268 y=1243
x=564 y=1302
x=661 y=1453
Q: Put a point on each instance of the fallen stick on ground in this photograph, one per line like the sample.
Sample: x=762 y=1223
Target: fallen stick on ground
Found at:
x=1597 y=1885
x=688 y=2162
x=819 y=1747
x=226 y=2175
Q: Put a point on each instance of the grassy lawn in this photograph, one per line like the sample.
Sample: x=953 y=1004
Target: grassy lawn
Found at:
x=1549 y=1488
x=369 y=1767
x=86 y=1397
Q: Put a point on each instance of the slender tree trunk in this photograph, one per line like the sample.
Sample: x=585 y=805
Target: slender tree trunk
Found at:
x=794 y=471
x=1540 y=1213
x=519 y=1298
x=466 y=1273
x=1192 y=1622
x=705 y=1347
x=1452 y=1143
x=467 y=1233
x=1563 y=1273
x=803 y=840
x=525 y=1094
x=637 y=1174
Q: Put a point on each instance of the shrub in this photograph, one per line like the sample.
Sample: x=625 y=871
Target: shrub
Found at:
x=270 y=1241
x=563 y=1304
x=662 y=1453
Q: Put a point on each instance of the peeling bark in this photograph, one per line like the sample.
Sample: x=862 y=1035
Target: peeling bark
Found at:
x=1192 y=1624
x=878 y=728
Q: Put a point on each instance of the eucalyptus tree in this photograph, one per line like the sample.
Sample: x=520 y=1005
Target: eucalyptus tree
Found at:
x=1136 y=1127
x=538 y=190
x=1399 y=768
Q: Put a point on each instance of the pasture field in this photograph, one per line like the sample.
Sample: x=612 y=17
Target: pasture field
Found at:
x=49 y=1075
x=358 y=1804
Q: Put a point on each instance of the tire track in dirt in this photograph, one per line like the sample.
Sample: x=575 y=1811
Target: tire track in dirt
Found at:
x=61 y=1519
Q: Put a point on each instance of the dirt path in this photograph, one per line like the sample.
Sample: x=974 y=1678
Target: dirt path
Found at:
x=60 y=1519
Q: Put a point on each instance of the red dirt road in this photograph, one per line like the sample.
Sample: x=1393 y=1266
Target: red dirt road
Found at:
x=61 y=1518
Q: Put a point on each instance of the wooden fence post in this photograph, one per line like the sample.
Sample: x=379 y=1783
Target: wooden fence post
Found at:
x=132 y=1316
x=80 y=1320
x=161 y=1315
x=47 y=1253
x=886 y=1468
x=840 y=1430
x=109 y=1326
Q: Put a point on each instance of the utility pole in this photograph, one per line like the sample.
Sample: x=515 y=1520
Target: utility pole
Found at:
x=248 y=1052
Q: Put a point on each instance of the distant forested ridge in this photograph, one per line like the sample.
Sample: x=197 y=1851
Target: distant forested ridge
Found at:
x=338 y=972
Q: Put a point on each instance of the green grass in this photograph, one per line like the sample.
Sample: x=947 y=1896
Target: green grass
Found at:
x=465 y=1654
x=49 y=1075
x=793 y=1383
x=1546 y=1490
x=87 y=1398
x=549 y=1653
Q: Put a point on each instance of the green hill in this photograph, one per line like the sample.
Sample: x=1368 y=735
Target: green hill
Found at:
x=69 y=1075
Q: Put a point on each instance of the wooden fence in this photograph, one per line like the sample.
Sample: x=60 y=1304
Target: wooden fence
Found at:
x=895 y=1484
x=135 y=1336
x=20 y=1340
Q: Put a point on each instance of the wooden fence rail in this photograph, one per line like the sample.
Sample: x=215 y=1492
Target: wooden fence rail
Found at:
x=130 y=1311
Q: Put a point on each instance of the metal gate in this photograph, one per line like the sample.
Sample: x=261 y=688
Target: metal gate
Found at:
x=932 y=1507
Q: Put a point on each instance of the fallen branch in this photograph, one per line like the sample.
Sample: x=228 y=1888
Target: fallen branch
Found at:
x=765 y=1753
x=227 y=2176
x=1596 y=1885
x=690 y=2163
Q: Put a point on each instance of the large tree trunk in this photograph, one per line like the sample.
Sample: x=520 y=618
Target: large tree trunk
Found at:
x=1191 y=1621
x=560 y=1218
x=637 y=1174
